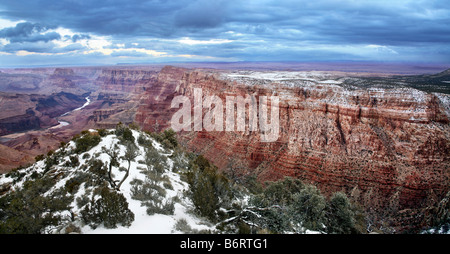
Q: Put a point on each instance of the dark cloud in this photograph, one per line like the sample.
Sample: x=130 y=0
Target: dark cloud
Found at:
x=259 y=30
x=28 y=32
x=77 y=37
x=336 y=21
x=36 y=47
x=202 y=14
x=40 y=47
x=112 y=17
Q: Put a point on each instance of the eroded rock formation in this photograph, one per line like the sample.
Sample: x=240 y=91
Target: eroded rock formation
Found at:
x=379 y=140
x=20 y=112
x=387 y=148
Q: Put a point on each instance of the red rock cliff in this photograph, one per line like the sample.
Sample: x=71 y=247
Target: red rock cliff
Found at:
x=386 y=148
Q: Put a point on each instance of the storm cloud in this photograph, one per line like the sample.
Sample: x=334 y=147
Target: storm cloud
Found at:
x=28 y=32
x=265 y=30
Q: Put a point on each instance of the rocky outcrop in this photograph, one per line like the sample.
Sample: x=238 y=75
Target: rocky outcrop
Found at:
x=382 y=142
x=12 y=158
x=125 y=80
x=386 y=148
x=16 y=82
x=22 y=112
x=58 y=104
x=154 y=112
x=18 y=123
x=118 y=91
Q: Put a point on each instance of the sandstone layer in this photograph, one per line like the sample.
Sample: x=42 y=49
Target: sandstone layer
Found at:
x=387 y=148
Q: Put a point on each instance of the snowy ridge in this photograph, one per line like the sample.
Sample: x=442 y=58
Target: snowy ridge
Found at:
x=143 y=223
x=124 y=181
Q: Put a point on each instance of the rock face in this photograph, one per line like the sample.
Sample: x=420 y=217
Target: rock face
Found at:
x=118 y=91
x=18 y=123
x=12 y=158
x=380 y=140
x=13 y=82
x=386 y=148
x=154 y=112
x=22 y=112
x=125 y=80
x=35 y=99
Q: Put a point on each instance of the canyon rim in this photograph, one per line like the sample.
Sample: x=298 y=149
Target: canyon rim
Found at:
x=383 y=140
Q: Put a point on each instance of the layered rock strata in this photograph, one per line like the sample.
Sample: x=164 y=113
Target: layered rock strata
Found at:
x=386 y=148
x=22 y=112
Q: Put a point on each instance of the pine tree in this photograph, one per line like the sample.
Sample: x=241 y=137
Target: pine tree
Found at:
x=308 y=208
x=340 y=217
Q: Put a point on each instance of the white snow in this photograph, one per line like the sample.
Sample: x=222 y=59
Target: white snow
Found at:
x=445 y=100
x=143 y=223
x=331 y=89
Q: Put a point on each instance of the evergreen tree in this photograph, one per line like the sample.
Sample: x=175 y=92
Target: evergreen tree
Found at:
x=28 y=211
x=111 y=209
x=340 y=217
x=170 y=136
x=209 y=189
x=308 y=208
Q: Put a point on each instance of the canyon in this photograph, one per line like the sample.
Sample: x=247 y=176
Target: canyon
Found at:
x=382 y=139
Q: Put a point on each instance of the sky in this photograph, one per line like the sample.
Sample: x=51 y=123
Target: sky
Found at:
x=85 y=32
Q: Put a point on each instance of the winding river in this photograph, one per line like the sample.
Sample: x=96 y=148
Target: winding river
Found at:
x=64 y=123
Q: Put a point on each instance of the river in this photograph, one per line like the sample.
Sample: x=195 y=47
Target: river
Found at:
x=61 y=124
x=64 y=123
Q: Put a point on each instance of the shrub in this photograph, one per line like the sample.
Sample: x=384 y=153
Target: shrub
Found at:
x=340 y=216
x=72 y=185
x=86 y=142
x=281 y=192
x=82 y=200
x=183 y=226
x=146 y=191
x=73 y=162
x=155 y=160
x=50 y=161
x=180 y=163
x=29 y=211
x=134 y=126
x=110 y=209
x=145 y=142
x=171 y=136
x=160 y=207
x=152 y=196
x=128 y=135
x=209 y=189
x=271 y=217
x=167 y=138
x=99 y=172
x=308 y=208
x=39 y=157
x=124 y=133
x=102 y=132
